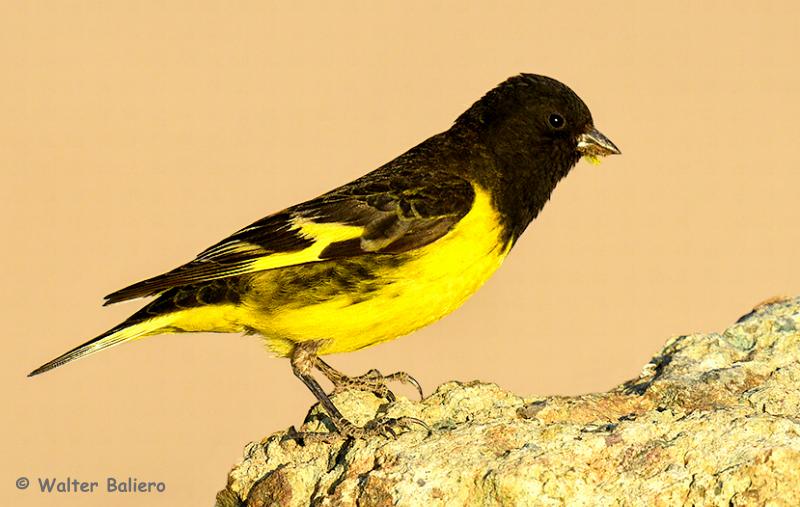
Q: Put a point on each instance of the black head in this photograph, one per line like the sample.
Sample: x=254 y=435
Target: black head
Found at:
x=537 y=115
x=535 y=129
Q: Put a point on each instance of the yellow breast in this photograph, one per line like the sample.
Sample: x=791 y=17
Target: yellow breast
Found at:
x=432 y=282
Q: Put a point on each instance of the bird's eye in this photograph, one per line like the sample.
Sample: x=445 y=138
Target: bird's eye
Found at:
x=556 y=121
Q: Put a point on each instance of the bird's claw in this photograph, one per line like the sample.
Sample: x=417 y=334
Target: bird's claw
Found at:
x=383 y=427
x=375 y=382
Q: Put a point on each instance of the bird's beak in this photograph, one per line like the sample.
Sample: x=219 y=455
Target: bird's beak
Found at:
x=594 y=144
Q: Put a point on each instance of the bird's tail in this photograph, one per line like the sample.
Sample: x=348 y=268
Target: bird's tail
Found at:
x=129 y=330
x=174 y=311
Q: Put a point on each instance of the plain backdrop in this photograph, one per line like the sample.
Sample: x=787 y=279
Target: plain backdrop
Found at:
x=135 y=134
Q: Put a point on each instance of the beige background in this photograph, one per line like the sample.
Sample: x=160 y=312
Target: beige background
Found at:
x=134 y=134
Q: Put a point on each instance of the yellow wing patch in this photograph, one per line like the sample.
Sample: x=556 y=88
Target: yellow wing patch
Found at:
x=322 y=231
x=221 y=261
x=323 y=235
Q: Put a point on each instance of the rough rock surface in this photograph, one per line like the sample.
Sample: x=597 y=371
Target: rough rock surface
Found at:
x=712 y=420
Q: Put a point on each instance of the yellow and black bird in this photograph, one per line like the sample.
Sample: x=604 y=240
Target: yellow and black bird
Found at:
x=381 y=256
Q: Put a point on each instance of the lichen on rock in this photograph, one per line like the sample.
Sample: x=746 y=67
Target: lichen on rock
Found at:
x=713 y=419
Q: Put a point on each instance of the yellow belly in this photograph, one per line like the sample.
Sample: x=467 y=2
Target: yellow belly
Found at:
x=432 y=282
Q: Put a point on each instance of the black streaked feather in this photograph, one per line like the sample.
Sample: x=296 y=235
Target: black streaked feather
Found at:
x=399 y=210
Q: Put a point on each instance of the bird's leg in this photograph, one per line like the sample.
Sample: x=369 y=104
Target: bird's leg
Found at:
x=372 y=381
x=303 y=359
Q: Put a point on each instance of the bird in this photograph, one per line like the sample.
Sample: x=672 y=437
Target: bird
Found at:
x=382 y=256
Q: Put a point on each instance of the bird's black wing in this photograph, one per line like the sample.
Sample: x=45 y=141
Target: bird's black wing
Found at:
x=384 y=212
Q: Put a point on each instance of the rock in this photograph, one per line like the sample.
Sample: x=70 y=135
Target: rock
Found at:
x=712 y=420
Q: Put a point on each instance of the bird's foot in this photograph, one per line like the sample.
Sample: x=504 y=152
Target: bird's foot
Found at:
x=385 y=427
x=373 y=381
x=381 y=427
x=311 y=437
x=304 y=359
